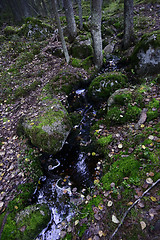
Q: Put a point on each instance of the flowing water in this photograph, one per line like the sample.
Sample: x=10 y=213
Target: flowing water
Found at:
x=69 y=170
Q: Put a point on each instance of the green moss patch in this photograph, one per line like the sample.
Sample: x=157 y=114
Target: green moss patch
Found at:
x=27 y=224
x=105 y=84
x=125 y=167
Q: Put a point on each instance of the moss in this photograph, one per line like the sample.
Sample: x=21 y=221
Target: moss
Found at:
x=148 y=39
x=64 y=81
x=143 y=88
x=123 y=99
x=48 y=131
x=153 y=107
x=82 y=230
x=86 y=63
x=75 y=118
x=124 y=167
x=117 y=115
x=75 y=62
x=23 y=91
x=2 y=38
x=32 y=220
x=10 y=30
x=81 y=50
x=104 y=141
x=88 y=208
x=105 y=84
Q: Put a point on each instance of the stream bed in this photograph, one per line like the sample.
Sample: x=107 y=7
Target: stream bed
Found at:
x=70 y=173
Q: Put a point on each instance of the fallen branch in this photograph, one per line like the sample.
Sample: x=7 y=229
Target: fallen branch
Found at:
x=132 y=207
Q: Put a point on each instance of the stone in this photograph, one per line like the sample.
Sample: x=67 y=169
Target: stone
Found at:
x=49 y=129
x=105 y=84
x=81 y=49
x=146 y=55
x=109 y=49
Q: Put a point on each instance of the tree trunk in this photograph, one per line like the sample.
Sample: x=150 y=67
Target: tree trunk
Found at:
x=60 y=31
x=80 y=14
x=96 y=8
x=128 y=23
x=71 y=25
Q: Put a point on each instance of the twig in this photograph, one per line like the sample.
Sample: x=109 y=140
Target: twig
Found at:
x=132 y=207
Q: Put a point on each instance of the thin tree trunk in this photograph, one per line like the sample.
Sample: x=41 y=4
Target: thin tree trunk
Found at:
x=96 y=14
x=60 y=31
x=71 y=24
x=80 y=14
x=128 y=23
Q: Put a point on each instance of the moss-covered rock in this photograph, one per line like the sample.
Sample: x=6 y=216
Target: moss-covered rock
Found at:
x=81 y=49
x=146 y=55
x=124 y=105
x=105 y=84
x=124 y=167
x=64 y=82
x=153 y=109
x=33 y=27
x=86 y=63
x=26 y=224
x=50 y=127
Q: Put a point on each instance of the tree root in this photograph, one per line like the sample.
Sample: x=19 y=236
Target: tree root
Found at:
x=128 y=210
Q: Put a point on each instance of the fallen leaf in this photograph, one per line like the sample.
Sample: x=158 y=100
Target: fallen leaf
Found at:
x=153 y=199
x=149 y=180
x=142 y=125
x=130 y=203
x=143 y=225
x=143 y=147
x=110 y=203
x=76 y=222
x=100 y=206
x=96 y=181
x=152 y=212
x=114 y=219
x=93 y=153
x=101 y=233
x=151 y=174
x=120 y=146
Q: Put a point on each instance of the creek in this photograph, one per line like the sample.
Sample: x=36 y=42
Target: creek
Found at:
x=70 y=172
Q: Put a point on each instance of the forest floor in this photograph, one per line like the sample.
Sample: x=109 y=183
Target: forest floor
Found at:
x=104 y=208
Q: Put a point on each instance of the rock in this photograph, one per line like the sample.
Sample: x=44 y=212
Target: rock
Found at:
x=109 y=49
x=33 y=27
x=111 y=99
x=146 y=55
x=81 y=49
x=49 y=129
x=104 y=85
x=28 y=223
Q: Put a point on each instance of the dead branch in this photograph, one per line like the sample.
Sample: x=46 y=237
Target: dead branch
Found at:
x=128 y=210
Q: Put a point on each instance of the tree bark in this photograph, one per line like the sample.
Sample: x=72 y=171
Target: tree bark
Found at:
x=128 y=23
x=80 y=14
x=60 y=31
x=96 y=14
x=71 y=25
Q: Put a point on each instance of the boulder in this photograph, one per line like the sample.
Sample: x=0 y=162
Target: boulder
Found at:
x=105 y=84
x=49 y=127
x=32 y=28
x=146 y=55
x=81 y=49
